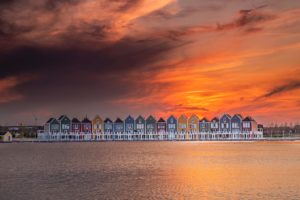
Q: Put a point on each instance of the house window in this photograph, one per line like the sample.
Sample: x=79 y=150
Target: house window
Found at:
x=140 y=126
x=171 y=126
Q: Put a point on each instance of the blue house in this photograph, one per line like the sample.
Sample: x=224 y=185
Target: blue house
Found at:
x=118 y=126
x=171 y=124
x=215 y=125
x=225 y=123
x=204 y=125
x=236 y=123
x=140 y=125
x=52 y=126
x=150 y=125
x=129 y=125
x=108 y=126
x=65 y=124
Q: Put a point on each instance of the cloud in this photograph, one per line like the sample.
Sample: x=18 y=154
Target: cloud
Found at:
x=292 y=85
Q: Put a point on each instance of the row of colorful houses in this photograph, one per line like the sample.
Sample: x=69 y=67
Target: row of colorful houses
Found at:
x=149 y=125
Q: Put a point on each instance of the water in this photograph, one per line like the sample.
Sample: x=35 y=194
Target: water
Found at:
x=150 y=170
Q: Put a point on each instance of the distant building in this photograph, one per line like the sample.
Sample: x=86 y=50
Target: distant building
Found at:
x=204 y=125
x=52 y=126
x=108 y=126
x=150 y=125
x=118 y=126
x=65 y=124
x=225 y=123
x=75 y=125
x=140 y=126
x=249 y=125
x=5 y=136
x=193 y=124
x=161 y=126
x=86 y=125
x=97 y=124
x=129 y=125
x=236 y=123
x=215 y=125
x=171 y=124
x=182 y=124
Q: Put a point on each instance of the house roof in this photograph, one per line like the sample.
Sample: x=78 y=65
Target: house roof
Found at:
x=227 y=115
x=86 y=120
x=204 y=119
x=161 y=120
x=239 y=115
x=107 y=120
x=248 y=118
x=50 y=120
x=75 y=120
x=215 y=119
x=118 y=120
x=151 y=118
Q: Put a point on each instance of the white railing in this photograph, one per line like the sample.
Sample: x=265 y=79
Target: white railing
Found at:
x=183 y=136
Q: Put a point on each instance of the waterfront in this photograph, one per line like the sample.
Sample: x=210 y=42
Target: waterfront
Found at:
x=150 y=170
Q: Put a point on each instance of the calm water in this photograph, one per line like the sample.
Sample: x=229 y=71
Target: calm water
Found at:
x=150 y=170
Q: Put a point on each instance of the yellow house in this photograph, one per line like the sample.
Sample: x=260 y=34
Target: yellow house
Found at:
x=182 y=124
x=98 y=126
x=193 y=124
x=5 y=137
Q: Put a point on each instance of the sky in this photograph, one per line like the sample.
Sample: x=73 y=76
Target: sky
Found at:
x=159 y=57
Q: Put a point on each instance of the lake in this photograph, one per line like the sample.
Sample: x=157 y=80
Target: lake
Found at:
x=150 y=170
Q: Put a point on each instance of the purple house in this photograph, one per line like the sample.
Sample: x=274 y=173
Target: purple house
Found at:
x=236 y=123
x=204 y=125
x=225 y=123
x=86 y=125
x=249 y=125
x=161 y=126
x=215 y=125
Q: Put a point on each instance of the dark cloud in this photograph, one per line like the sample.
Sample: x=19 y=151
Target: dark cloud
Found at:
x=292 y=85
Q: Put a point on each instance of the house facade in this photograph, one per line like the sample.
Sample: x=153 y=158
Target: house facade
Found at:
x=118 y=126
x=161 y=126
x=249 y=125
x=225 y=123
x=236 y=123
x=172 y=124
x=204 y=125
x=75 y=125
x=65 y=124
x=150 y=125
x=108 y=126
x=215 y=125
x=193 y=124
x=182 y=124
x=86 y=126
x=52 y=126
x=129 y=125
x=97 y=123
x=6 y=136
x=140 y=125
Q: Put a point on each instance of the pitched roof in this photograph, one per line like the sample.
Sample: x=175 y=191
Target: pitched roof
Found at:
x=215 y=119
x=150 y=118
x=75 y=120
x=161 y=120
x=248 y=118
x=204 y=119
x=227 y=115
x=107 y=120
x=118 y=120
x=239 y=115
x=50 y=120
x=86 y=120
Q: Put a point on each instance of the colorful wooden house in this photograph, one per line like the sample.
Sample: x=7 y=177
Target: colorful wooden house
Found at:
x=182 y=124
x=129 y=125
x=204 y=125
x=225 y=123
x=236 y=123
x=97 y=125
x=52 y=126
x=119 y=126
x=161 y=126
x=65 y=124
x=75 y=125
x=108 y=126
x=249 y=125
x=171 y=124
x=140 y=126
x=150 y=125
x=193 y=124
x=86 y=125
x=215 y=125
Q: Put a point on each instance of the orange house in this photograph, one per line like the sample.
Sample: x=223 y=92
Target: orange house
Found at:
x=182 y=124
x=97 y=125
x=193 y=124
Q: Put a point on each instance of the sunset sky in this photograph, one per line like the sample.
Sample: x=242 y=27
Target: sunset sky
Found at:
x=160 y=57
